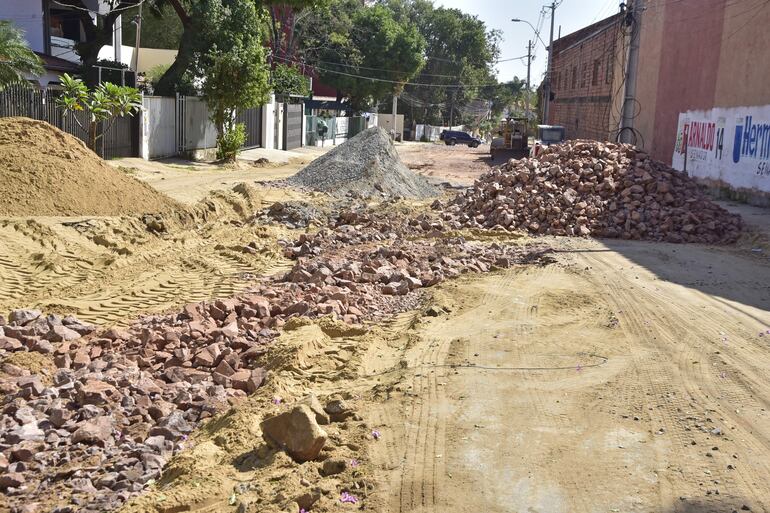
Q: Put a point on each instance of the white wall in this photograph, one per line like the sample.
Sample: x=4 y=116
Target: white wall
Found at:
x=268 y=118
x=28 y=16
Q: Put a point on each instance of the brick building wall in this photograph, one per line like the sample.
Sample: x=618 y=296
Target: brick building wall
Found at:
x=587 y=80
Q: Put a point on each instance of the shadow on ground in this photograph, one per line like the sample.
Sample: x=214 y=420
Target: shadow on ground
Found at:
x=732 y=273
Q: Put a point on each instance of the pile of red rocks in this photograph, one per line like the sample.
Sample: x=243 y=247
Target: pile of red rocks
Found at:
x=358 y=266
x=120 y=403
x=598 y=189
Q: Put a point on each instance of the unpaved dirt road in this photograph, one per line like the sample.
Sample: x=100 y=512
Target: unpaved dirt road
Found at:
x=626 y=377
x=459 y=165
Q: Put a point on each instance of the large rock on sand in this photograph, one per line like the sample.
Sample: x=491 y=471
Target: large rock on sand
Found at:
x=367 y=165
x=297 y=432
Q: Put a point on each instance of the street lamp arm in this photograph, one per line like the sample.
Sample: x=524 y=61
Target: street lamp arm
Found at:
x=517 y=20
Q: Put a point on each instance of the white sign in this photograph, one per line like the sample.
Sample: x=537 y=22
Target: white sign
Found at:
x=731 y=145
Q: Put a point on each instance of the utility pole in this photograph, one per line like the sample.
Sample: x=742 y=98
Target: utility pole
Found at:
x=529 y=64
x=547 y=88
x=634 y=17
x=138 y=21
x=395 y=115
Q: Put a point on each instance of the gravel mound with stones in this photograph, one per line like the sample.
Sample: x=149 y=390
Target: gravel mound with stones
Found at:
x=47 y=172
x=597 y=189
x=366 y=165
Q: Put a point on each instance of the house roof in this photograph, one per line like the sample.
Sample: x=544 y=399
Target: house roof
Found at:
x=55 y=63
x=581 y=35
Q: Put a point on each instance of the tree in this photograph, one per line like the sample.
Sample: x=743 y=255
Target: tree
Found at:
x=288 y=80
x=286 y=25
x=98 y=25
x=460 y=55
x=161 y=26
x=106 y=102
x=16 y=58
x=365 y=42
x=283 y=17
x=230 y=60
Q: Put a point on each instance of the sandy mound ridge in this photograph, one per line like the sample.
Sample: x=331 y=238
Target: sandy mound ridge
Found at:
x=44 y=171
x=367 y=165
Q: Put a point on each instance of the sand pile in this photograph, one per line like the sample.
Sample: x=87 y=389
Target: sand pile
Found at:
x=44 y=171
x=592 y=188
x=366 y=165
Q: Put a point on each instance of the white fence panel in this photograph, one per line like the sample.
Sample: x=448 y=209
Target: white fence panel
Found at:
x=161 y=126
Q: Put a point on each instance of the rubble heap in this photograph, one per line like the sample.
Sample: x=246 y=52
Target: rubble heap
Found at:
x=100 y=421
x=366 y=165
x=598 y=189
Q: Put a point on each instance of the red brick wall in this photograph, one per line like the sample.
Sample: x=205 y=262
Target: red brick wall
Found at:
x=583 y=82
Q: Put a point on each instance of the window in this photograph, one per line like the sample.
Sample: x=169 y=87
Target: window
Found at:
x=583 y=74
x=608 y=70
x=574 y=77
x=595 y=77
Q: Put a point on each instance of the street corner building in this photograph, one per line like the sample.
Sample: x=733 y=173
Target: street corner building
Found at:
x=697 y=96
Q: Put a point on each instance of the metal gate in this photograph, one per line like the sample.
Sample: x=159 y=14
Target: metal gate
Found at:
x=121 y=138
x=252 y=121
x=194 y=129
x=292 y=125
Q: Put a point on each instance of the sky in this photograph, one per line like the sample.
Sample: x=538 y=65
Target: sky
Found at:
x=571 y=15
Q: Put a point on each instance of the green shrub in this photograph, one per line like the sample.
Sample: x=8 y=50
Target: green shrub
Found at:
x=423 y=138
x=231 y=143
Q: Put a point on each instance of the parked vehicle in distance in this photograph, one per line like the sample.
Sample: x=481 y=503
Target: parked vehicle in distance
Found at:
x=546 y=136
x=452 y=137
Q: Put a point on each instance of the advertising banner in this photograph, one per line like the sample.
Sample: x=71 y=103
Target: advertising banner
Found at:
x=727 y=144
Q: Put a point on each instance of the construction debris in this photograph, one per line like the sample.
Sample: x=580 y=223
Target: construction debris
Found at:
x=587 y=188
x=366 y=165
x=121 y=402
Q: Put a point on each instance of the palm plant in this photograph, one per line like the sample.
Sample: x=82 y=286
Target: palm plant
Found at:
x=16 y=58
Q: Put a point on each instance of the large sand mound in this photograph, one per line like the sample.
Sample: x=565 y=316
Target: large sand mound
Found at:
x=367 y=165
x=44 y=171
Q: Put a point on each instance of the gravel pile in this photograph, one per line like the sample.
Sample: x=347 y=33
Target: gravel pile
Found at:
x=597 y=189
x=366 y=166
x=294 y=214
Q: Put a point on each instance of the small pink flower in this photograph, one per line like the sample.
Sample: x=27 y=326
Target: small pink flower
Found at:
x=376 y=434
x=276 y=400
x=345 y=497
x=354 y=463
x=579 y=368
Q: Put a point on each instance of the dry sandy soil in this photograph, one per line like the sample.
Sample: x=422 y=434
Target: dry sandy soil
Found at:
x=459 y=165
x=624 y=377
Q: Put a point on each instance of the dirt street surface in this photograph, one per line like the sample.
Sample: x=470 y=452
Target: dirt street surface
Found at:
x=260 y=348
x=624 y=377
x=459 y=165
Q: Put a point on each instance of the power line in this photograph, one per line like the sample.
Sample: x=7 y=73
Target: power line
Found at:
x=375 y=79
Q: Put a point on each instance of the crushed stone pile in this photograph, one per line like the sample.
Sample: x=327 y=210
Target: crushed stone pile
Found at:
x=44 y=171
x=366 y=166
x=96 y=420
x=597 y=189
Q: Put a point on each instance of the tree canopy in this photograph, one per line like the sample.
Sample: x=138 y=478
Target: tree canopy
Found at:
x=16 y=58
x=229 y=61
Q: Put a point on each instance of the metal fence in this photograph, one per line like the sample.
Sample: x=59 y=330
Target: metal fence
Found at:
x=194 y=129
x=120 y=140
x=321 y=131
